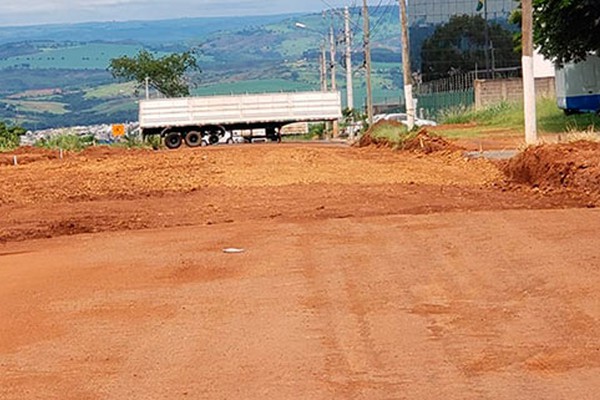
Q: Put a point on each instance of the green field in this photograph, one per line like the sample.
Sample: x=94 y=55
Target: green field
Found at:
x=111 y=90
x=52 y=107
x=257 y=86
x=84 y=56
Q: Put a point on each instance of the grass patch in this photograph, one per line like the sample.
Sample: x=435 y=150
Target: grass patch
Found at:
x=509 y=116
x=134 y=141
x=66 y=142
x=394 y=133
x=387 y=134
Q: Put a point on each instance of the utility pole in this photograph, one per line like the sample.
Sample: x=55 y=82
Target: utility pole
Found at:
x=349 y=84
x=487 y=39
x=147 y=87
x=528 y=74
x=323 y=67
x=408 y=88
x=367 y=45
x=332 y=54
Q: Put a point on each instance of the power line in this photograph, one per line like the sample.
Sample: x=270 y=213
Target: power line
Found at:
x=336 y=11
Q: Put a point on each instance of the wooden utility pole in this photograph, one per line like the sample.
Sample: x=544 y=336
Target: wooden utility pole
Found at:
x=367 y=45
x=408 y=87
x=528 y=74
x=349 y=84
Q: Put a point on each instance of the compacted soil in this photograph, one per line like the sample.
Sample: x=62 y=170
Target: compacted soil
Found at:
x=358 y=273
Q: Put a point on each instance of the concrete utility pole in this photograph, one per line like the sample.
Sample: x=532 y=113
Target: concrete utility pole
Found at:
x=528 y=74
x=332 y=54
x=349 y=84
x=323 y=67
x=147 y=87
x=367 y=45
x=486 y=35
x=408 y=88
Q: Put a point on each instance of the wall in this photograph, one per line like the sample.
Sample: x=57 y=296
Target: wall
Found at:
x=488 y=92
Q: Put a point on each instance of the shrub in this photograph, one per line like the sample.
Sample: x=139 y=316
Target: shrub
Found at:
x=10 y=136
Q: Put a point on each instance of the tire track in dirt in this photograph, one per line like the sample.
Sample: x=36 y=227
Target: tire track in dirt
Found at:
x=492 y=306
x=340 y=310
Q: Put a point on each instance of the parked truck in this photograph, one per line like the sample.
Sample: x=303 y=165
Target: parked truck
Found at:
x=578 y=86
x=207 y=120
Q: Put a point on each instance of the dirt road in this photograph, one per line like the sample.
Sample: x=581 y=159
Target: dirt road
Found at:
x=367 y=274
x=107 y=189
x=487 y=305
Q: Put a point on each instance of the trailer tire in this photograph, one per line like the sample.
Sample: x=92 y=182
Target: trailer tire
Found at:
x=193 y=139
x=173 y=140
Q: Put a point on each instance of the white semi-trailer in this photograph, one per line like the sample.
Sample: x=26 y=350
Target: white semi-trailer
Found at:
x=198 y=120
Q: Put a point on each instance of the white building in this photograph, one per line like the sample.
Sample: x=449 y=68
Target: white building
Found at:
x=542 y=68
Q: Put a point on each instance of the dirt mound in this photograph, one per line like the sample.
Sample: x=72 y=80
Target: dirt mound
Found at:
x=107 y=151
x=30 y=154
x=425 y=142
x=369 y=139
x=27 y=154
x=571 y=166
x=422 y=142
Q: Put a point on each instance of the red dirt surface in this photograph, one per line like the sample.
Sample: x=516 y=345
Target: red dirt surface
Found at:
x=569 y=166
x=114 y=189
x=367 y=274
x=422 y=142
x=27 y=155
x=427 y=143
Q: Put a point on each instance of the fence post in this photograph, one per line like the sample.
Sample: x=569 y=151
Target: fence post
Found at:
x=477 y=93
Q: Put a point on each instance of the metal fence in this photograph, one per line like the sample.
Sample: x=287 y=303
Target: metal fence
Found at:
x=454 y=91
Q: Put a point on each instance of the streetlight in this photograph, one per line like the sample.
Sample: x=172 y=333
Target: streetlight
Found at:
x=332 y=43
x=323 y=55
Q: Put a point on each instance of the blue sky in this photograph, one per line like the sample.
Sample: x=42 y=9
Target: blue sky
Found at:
x=19 y=12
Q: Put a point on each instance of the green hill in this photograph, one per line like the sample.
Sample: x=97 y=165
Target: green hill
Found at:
x=260 y=54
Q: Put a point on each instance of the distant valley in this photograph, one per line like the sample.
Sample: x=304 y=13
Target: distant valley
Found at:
x=55 y=75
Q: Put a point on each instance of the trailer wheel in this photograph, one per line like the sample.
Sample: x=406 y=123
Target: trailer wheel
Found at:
x=173 y=140
x=193 y=139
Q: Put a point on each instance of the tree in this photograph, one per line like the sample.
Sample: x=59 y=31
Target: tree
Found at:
x=566 y=30
x=459 y=46
x=167 y=74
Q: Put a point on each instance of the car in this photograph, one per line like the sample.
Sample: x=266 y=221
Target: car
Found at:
x=226 y=138
x=402 y=118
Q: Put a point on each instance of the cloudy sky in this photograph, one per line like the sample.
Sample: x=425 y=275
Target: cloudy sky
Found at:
x=19 y=12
